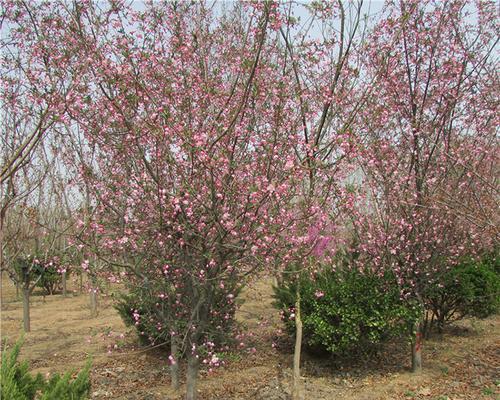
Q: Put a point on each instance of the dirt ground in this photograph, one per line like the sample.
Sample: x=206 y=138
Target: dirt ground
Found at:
x=463 y=363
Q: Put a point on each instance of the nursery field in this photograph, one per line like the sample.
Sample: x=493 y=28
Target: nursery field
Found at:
x=162 y=163
x=463 y=363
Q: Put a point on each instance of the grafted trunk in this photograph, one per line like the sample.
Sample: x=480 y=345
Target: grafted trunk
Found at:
x=297 y=387
x=416 y=349
x=192 y=377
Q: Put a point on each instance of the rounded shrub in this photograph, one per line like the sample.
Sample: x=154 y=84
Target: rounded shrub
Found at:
x=154 y=312
x=470 y=289
x=46 y=274
x=344 y=311
x=50 y=279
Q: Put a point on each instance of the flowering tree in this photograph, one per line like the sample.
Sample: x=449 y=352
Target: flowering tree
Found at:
x=430 y=159
x=32 y=94
x=187 y=111
x=323 y=58
x=212 y=140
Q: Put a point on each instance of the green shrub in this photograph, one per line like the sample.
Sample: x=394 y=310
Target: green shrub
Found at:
x=18 y=384
x=345 y=311
x=65 y=388
x=47 y=275
x=49 y=279
x=471 y=289
x=154 y=317
x=133 y=302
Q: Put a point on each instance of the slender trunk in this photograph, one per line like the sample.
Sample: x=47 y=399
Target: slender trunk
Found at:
x=3 y=210
x=81 y=282
x=26 y=310
x=432 y=324
x=440 y=322
x=297 y=387
x=93 y=295
x=192 y=377
x=26 y=298
x=93 y=302
x=17 y=291
x=174 y=363
x=426 y=323
x=416 y=349
x=278 y=280
x=64 y=288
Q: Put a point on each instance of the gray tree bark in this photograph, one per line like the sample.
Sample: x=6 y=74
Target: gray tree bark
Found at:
x=192 y=377
x=26 y=310
x=93 y=302
x=64 y=287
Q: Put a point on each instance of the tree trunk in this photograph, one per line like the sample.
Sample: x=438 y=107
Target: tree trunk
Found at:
x=174 y=363
x=26 y=298
x=192 y=377
x=3 y=211
x=93 y=302
x=64 y=288
x=26 y=310
x=297 y=387
x=81 y=282
x=416 y=349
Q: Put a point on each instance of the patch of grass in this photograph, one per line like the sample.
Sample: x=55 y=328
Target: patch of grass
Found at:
x=107 y=330
x=409 y=393
x=476 y=326
x=488 y=391
x=229 y=356
x=444 y=369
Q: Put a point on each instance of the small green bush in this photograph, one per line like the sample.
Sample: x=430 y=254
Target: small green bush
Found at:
x=470 y=289
x=153 y=317
x=18 y=384
x=345 y=311
x=64 y=388
x=141 y=302
x=46 y=274
x=50 y=279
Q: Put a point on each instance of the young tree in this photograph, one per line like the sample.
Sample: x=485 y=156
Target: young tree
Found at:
x=34 y=251
x=322 y=56
x=32 y=93
x=430 y=159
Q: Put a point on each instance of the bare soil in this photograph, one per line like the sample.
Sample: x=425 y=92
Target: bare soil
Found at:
x=462 y=363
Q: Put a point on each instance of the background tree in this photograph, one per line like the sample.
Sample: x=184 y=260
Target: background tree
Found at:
x=33 y=87
x=321 y=53
x=430 y=160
